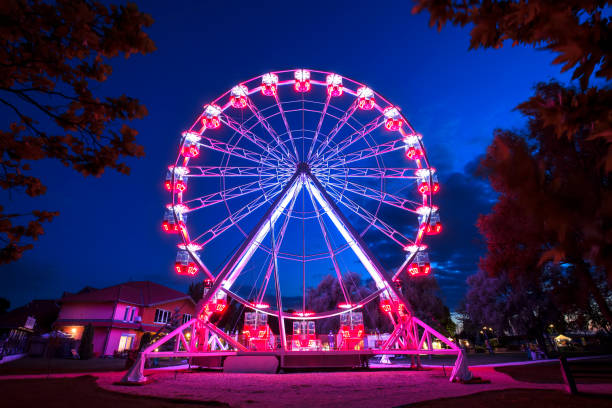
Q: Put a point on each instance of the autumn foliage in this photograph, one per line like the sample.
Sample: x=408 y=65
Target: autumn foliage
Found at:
x=553 y=179
x=52 y=57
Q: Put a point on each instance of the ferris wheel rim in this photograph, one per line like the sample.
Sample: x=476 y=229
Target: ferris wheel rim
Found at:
x=185 y=237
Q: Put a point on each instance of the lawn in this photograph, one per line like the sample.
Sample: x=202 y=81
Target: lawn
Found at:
x=33 y=365
x=60 y=393
x=520 y=398
x=83 y=391
x=592 y=371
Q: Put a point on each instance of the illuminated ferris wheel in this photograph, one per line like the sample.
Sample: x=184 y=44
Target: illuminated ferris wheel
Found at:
x=295 y=183
x=295 y=175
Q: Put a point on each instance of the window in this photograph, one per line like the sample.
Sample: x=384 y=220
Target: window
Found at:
x=132 y=315
x=125 y=315
x=186 y=318
x=126 y=341
x=161 y=316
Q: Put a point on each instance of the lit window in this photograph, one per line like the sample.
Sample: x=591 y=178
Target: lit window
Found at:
x=125 y=342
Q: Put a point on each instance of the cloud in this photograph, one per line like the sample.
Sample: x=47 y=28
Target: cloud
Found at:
x=455 y=252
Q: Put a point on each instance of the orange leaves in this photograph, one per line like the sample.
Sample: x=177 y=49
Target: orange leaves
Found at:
x=574 y=30
x=15 y=233
x=552 y=178
x=51 y=52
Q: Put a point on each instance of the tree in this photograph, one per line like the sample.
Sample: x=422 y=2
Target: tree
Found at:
x=145 y=340
x=328 y=295
x=86 y=345
x=52 y=55
x=421 y=292
x=196 y=291
x=554 y=201
x=522 y=307
x=5 y=305
x=559 y=171
x=576 y=30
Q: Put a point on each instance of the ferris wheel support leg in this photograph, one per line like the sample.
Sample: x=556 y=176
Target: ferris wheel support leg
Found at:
x=136 y=373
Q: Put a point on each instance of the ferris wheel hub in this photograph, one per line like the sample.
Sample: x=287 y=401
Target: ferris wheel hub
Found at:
x=303 y=167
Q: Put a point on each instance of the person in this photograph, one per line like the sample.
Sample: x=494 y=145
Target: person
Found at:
x=330 y=339
x=488 y=346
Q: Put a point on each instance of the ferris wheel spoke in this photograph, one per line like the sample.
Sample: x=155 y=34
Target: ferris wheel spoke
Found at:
x=372 y=151
x=259 y=142
x=318 y=131
x=329 y=247
x=263 y=122
x=366 y=172
x=276 y=248
x=235 y=151
x=235 y=218
x=234 y=171
x=341 y=122
x=376 y=195
x=354 y=137
x=282 y=112
x=230 y=193
x=370 y=218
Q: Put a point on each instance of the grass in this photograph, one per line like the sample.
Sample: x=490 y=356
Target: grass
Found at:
x=33 y=365
x=81 y=391
x=595 y=371
x=520 y=398
x=66 y=392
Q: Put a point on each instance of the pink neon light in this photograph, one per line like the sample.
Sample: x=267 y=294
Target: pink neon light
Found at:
x=303 y=314
x=261 y=305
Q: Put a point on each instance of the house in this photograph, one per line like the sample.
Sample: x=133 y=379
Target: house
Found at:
x=18 y=325
x=121 y=314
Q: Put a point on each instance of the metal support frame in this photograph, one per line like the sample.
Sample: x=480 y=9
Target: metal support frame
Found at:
x=410 y=336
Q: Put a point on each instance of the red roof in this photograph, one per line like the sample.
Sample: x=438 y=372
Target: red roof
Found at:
x=140 y=293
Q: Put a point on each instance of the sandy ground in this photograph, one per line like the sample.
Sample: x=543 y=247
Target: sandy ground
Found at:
x=327 y=389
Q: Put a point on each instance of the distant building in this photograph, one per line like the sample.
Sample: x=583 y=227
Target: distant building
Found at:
x=18 y=325
x=121 y=314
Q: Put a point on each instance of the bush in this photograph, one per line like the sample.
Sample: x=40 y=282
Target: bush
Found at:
x=86 y=346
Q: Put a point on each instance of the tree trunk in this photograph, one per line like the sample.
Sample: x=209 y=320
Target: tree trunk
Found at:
x=583 y=273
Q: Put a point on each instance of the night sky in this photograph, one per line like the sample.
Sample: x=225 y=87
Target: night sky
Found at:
x=109 y=228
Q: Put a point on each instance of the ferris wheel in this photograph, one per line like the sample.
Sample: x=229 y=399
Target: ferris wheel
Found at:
x=295 y=175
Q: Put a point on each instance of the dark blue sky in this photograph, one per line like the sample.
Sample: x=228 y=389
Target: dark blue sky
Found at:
x=108 y=230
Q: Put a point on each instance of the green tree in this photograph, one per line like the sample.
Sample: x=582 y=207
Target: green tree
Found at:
x=86 y=345
x=53 y=55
